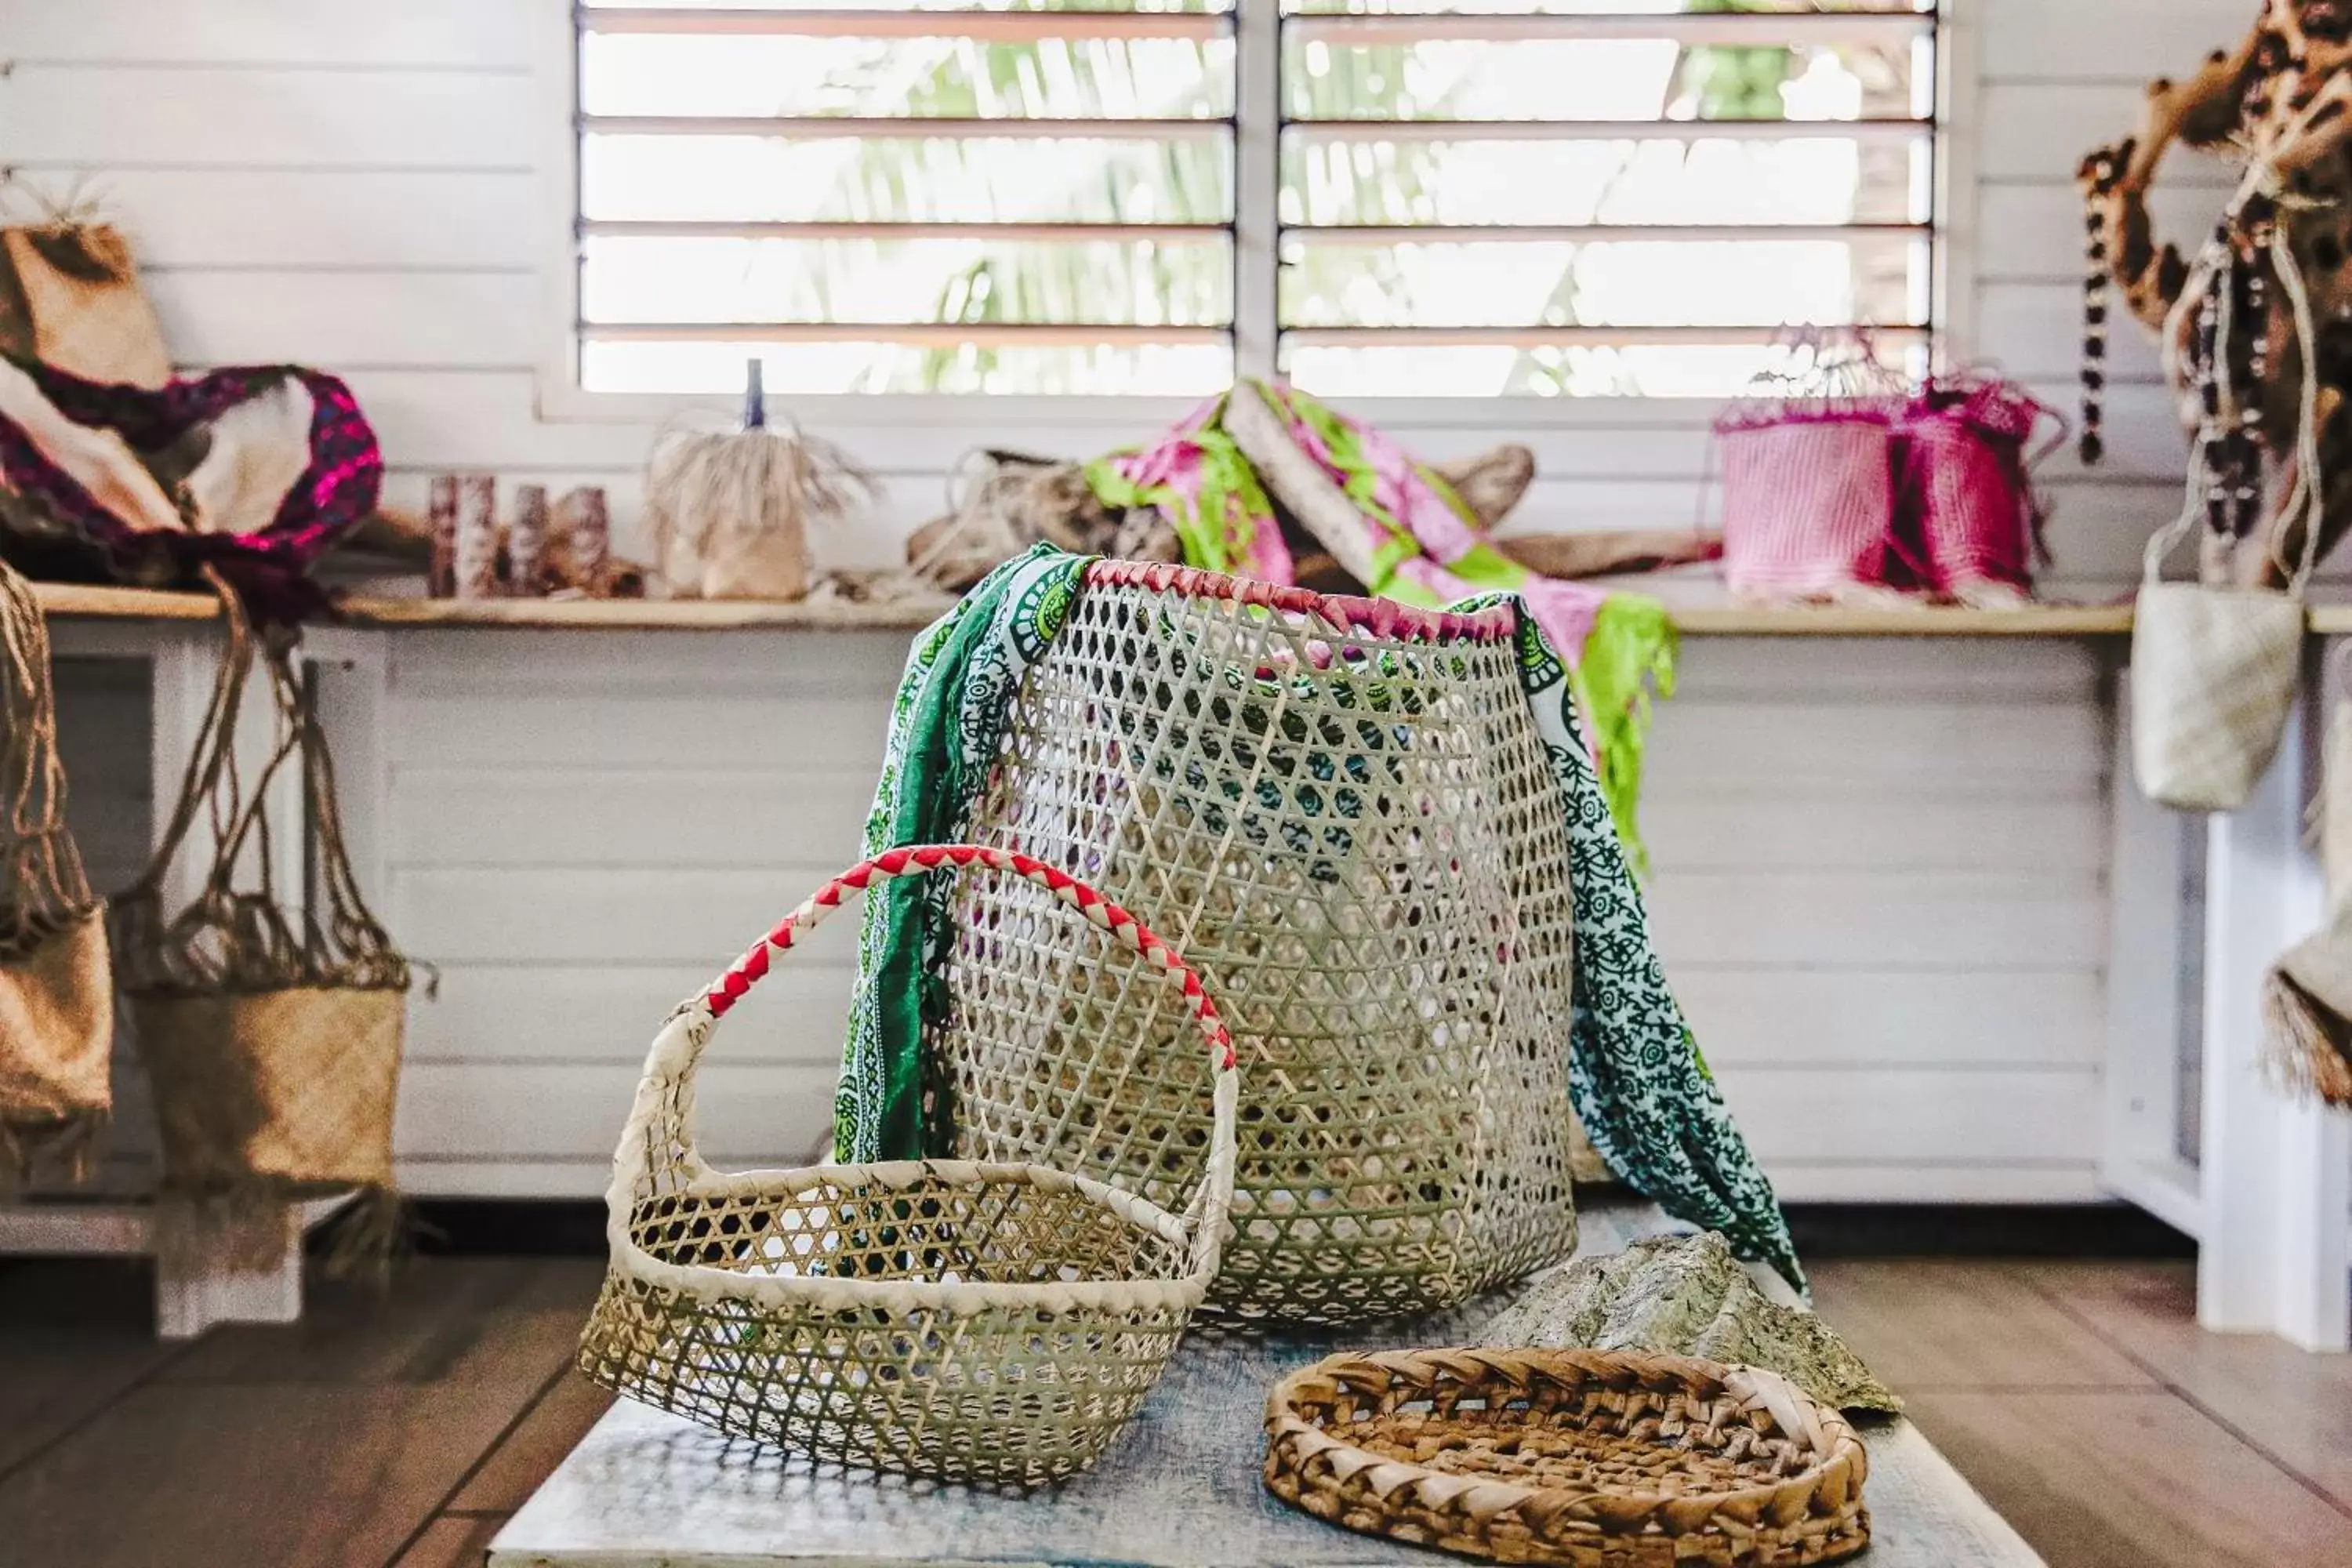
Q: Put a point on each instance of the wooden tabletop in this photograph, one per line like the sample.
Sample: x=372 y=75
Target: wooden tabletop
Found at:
x=1181 y=1488
x=78 y=601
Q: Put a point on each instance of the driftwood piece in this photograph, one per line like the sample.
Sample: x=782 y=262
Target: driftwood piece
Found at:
x=1298 y=484
x=2280 y=103
x=1492 y=482
x=1002 y=502
x=1604 y=553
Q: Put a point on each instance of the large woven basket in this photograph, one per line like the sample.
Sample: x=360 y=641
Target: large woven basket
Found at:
x=1582 y=1458
x=994 y=1322
x=1341 y=811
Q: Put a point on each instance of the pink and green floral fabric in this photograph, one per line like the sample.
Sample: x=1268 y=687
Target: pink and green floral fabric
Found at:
x=1428 y=549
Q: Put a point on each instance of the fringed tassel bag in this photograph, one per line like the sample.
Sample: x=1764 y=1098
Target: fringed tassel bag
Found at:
x=271 y=1027
x=57 y=993
x=2307 y=995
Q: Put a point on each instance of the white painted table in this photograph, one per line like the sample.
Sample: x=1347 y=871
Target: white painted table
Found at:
x=647 y=1489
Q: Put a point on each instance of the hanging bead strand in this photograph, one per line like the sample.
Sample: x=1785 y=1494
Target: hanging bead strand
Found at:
x=2101 y=170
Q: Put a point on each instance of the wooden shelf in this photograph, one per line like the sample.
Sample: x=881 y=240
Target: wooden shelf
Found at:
x=645 y=614
x=85 y=601
x=1903 y=621
x=77 y=601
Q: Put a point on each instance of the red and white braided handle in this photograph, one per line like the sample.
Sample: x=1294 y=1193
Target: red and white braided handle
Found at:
x=893 y=864
x=659 y=1157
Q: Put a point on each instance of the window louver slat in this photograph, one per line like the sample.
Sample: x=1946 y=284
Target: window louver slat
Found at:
x=1481 y=198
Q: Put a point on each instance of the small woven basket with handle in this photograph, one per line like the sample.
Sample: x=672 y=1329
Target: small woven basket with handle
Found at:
x=968 y=1322
x=1581 y=1458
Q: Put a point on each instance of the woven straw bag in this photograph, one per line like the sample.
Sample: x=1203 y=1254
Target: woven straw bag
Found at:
x=986 y=1322
x=2213 y=676
x=70 y=297
x=271 y=1032
x=57 y=993
x=1342 y=812
x=1581 y=1459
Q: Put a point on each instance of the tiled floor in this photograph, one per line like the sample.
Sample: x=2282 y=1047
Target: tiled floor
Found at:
x=398 y=1431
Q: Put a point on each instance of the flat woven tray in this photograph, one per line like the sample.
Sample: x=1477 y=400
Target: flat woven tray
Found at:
x=1584 y=1459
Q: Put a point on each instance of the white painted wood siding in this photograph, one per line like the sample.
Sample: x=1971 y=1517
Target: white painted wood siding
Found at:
x=1882 y=868
x=358 y=186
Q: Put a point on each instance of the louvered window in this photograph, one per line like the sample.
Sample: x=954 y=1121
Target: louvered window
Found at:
x=1136 y=198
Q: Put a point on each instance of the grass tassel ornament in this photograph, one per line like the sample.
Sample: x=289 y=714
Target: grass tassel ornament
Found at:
x=731 y=512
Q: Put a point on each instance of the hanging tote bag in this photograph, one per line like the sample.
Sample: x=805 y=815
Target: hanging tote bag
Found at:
x=2214 y=671
x=271 y=1027
x=57 y=990
x=1341 y=810
x=988 y=1322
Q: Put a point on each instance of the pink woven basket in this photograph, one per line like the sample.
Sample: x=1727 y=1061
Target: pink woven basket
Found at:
x=1966 y=498
x=1808 y=505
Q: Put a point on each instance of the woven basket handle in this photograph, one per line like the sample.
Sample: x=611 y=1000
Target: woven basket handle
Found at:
x=42 y=884
x=659 y=1142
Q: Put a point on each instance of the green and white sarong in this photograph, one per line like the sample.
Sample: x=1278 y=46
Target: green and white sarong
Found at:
x=1635 y=1076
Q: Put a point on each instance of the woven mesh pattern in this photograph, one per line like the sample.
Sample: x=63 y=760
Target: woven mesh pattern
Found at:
x=966 y=1322
x=292 y=1089
x=2213 y=676
x=1019 y=1395
x=57 y=994
x=1589 y=1458
x=1351 y=830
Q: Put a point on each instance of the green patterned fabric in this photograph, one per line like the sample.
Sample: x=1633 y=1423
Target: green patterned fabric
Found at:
x=1631 y=655
x=946 y=723
x=1636 y=1075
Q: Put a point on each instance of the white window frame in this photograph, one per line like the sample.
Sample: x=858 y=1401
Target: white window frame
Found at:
x=560 y=397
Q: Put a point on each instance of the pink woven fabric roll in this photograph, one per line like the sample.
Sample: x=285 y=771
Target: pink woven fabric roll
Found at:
x=1807 y=506
x=1966 y=494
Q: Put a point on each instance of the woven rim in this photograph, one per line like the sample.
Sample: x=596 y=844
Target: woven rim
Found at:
x=1494 y=1503
x=677 y=1050
x=1380 y=618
